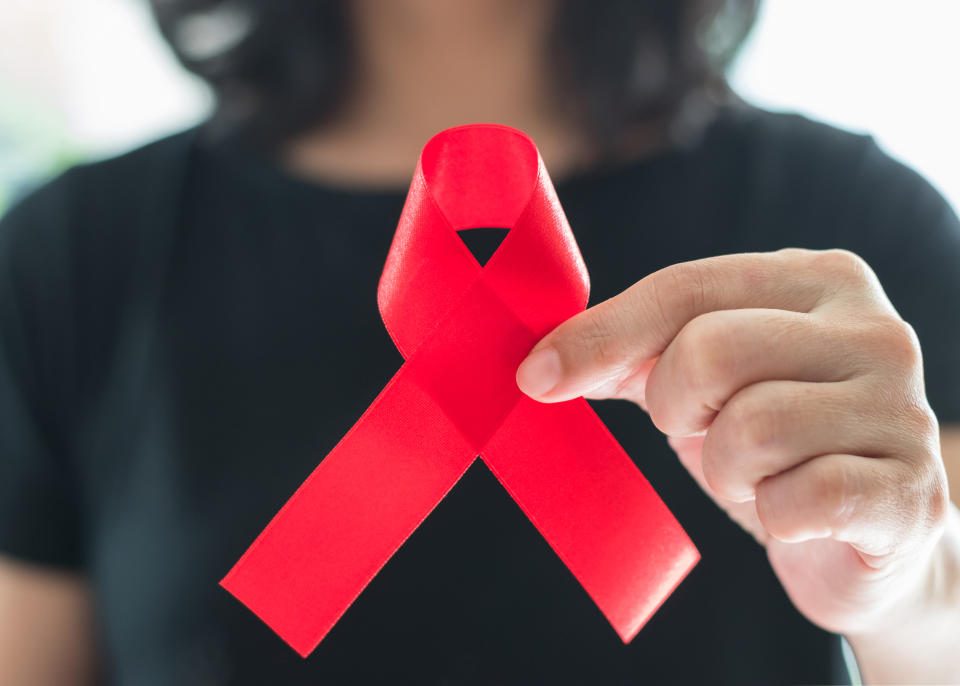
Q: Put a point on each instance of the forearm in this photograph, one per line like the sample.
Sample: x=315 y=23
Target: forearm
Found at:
x=920 y=641
x=46 y=626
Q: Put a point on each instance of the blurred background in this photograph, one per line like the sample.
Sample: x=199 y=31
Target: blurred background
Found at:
x=84 y=79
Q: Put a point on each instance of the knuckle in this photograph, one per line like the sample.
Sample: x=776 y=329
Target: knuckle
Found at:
x=658 y=306
x=595 y=335
x=843 y=266
x=595 y=338
x=688 y=284
x=703 y=354
x=937 y=501
x=822 y=497
x=921 y=422
x=756 y=427
x=836 y=489
x=748 y=424
x=796 y=253
x=840 y=494
x=744 y=432
x=923 y=497
x=682 y=287
x=904 y=345
x=895 y=341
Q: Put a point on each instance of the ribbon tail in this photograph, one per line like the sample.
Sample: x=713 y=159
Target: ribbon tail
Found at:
x=351 y=514
x=593 y=506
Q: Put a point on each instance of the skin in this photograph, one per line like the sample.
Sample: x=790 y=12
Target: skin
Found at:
x=793 y=393
x=46 y=627
x=789 y=387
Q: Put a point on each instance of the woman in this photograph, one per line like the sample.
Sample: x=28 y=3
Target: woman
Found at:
x=187 y=329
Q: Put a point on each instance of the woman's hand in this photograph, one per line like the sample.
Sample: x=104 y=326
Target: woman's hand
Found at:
x=793 y=392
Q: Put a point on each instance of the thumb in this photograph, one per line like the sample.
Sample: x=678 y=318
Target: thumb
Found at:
x=597 y=353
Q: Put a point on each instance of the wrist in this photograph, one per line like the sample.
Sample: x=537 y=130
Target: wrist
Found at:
x=922 y=623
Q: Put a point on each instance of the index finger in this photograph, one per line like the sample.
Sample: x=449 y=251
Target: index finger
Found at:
x=597 y=351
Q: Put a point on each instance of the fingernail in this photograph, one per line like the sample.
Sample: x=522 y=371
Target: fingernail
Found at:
x=539 y=373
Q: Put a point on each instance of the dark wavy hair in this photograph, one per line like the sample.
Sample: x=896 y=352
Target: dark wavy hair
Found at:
x=278 y=67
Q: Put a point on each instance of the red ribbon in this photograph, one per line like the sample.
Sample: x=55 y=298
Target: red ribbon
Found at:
x=463 y=329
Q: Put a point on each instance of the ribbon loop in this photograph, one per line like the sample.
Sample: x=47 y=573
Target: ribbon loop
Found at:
x=463 y=329
x=493 y=187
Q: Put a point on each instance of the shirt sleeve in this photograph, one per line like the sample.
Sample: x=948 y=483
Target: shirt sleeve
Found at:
x=911 y=238
x=39 y=515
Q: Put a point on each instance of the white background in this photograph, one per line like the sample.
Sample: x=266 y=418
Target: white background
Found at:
x=97 y=76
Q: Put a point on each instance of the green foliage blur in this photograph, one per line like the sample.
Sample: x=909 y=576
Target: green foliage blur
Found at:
x=34 y=146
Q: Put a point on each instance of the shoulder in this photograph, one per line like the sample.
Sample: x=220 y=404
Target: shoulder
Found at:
x=90 y=195
x=806 y=179
x=789 y=142
x=94 y=222
x=78 y=254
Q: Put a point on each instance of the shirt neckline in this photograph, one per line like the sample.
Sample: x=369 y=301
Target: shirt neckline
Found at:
x=262 y=168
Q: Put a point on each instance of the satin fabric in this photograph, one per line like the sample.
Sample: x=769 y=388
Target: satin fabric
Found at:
x=463 y=329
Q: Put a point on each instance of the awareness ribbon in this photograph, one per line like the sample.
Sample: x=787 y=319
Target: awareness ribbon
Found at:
x=463 y=329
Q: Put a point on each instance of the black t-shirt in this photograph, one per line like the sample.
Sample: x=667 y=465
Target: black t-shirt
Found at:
x=186 y=330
